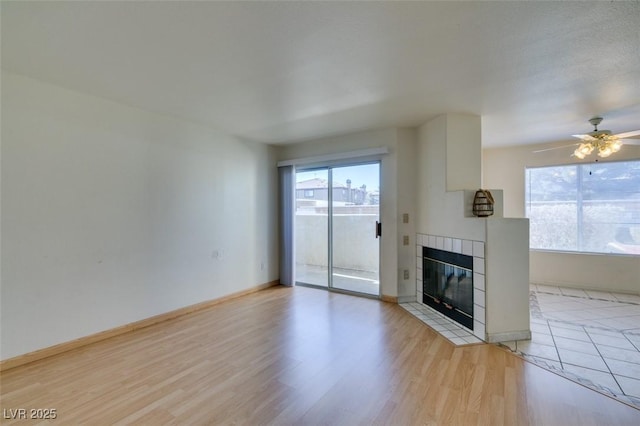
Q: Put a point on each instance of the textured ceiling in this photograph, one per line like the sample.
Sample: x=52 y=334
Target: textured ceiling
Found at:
x=280 y=72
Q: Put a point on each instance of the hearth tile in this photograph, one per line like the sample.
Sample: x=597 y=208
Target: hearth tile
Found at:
x=478 y=265
x=458 y=341
x=629 y=386
x=467 y=247
x=460 y=332
x=452 y=326
x=580 y=359
x=456 y=245
x=472 y=339
x=419 y=251
x=448 y=334
x=431 y=241
x=478 y=249
x=440 y=243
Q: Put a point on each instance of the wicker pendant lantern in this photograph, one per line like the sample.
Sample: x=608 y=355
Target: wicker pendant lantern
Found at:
x=483 y=203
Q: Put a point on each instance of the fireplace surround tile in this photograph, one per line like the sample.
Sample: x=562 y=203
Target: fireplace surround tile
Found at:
x=477 y=309
x=478 y=280
x=478 y=328
x=448 y=245
x=467 y=247
x=478 y=298
x=476 y=249
x=478 y=265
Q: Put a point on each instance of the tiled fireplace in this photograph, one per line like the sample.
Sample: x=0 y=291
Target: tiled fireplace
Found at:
x=475 y=249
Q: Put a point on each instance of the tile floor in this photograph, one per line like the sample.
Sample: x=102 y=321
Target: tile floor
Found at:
x=440 y=323
x=591 y=337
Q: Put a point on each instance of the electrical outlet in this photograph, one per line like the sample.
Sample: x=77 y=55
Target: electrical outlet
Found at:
x=405 y=217
x=406 y=274
x=405 y=240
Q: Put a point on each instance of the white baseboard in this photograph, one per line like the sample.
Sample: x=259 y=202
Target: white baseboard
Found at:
x=509 y=336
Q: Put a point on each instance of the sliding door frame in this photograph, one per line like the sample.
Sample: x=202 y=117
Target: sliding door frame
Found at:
x=329 y=167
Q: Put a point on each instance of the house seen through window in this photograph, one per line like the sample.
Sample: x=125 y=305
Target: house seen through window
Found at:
x=585 y=207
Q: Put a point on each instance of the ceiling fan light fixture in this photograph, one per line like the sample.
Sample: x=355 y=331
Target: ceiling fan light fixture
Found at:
x=602 y=141
x=615 y=146
x=604 y=151
x=583 y=150
x=579 y=154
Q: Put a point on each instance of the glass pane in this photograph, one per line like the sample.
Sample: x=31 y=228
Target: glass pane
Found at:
x=311 y=229
x=588 y=207
x=611 y=207
x=356 y=208
x=551 y=207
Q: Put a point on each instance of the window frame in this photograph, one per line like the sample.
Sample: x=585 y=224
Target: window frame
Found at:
x=578 y=199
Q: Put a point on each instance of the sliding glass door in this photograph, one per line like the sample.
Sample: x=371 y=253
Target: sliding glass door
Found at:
x=337 y=210
x=312 y=227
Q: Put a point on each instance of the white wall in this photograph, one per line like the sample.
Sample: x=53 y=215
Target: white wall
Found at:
x=449 y=171
x=395 y=193
x=407 y=186
x=505 y=167
x=440 y=211
x=111 y=214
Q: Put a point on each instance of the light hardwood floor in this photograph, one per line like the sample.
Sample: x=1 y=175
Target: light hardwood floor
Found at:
x=300 y=356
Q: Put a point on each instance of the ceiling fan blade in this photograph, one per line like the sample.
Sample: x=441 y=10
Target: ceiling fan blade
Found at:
x=628 y=135
x=586 y=138
x=630 y=141
x=554 y=148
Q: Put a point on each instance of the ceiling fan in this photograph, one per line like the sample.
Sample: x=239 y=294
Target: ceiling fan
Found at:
x=602 y=141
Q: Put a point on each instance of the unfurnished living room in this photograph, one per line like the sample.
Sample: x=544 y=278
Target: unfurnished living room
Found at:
x=314 y=212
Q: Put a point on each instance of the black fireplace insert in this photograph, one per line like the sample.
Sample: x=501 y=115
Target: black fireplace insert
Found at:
x=447 y=284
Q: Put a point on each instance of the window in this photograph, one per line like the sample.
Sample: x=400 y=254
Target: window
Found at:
x=585 y=207
x=308 y=193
